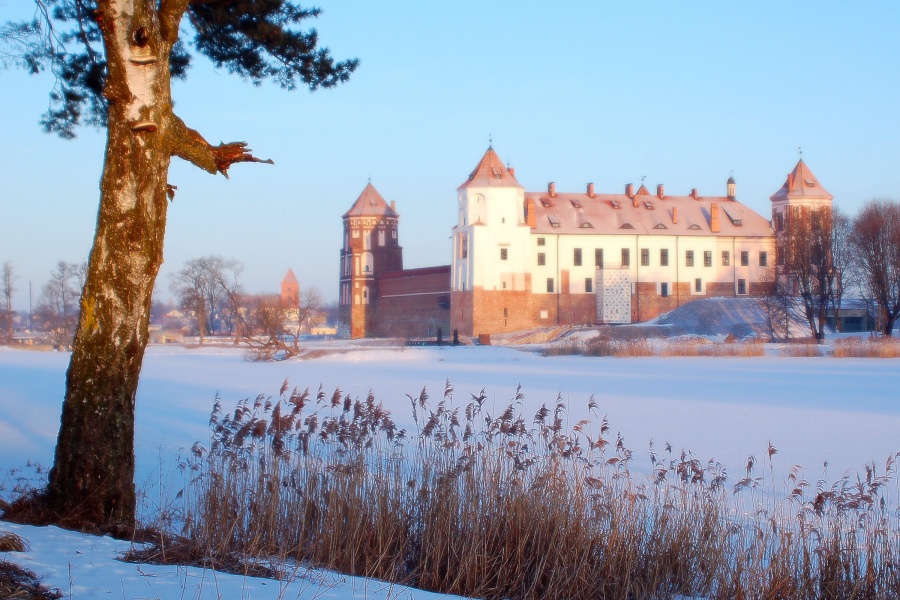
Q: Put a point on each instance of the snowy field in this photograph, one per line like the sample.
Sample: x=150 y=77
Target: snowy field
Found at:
x=845 y=412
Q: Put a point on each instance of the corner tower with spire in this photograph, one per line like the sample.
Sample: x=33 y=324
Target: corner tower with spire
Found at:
x=801 y=192
x=371 y=247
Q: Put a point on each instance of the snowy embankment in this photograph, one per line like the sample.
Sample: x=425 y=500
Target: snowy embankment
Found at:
x=814 y=410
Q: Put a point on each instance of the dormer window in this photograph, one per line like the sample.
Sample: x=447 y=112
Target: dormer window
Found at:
x=615 y=203
x=810 y=182
x=497 y=172
x=648 y=205
x=586 y=225
x=627 y=226
x=659 y=226
x=694 y=227
x=554 y=220
x=575 y=203
x=546 y=203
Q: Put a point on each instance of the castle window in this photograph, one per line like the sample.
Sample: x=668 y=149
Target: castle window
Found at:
x=381 y=238
x=742 y=286
x=726 y=258
x=541 y=259
x=763 y=258
x=598 y=258
x=664 y=290
x=779 y=222
x=664 y=257
x=541 y=241
x=645 y=257
x=588 y=285
x=503 y=253
x=698 y=285
x=549 y=285
x=745 y=258
x=626 y=257
x=689 y=258
x=576 y=257
x=707 y=258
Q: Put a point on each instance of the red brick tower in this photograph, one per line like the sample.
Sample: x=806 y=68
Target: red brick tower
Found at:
x=290 y=290
x=371 y=247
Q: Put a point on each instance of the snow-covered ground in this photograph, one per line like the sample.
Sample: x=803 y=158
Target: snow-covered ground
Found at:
x=843 y=411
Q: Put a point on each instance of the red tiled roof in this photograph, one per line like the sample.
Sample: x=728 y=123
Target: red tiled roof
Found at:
x=801 y=183
x=490 y=172
x=370 y=204
x=289 y=277
x=617 y=214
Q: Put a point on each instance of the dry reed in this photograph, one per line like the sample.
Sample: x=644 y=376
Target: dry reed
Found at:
x=508 y=506
x=855 y=347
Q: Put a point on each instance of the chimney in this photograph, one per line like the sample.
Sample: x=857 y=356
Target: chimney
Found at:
x=551 y=189
x=660 y=191
x=512 y=171
x=394 y=205
x=530 y=216
x=714 y=225
x=629 y=190
x=590 y=190
x=694 y=193
x=674 y=215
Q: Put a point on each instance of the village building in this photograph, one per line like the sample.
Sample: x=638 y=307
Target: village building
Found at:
x=531 y=259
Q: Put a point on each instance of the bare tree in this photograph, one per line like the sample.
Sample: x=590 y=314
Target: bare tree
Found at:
x=205 y=286
x=845 y=274
x=777 y=303
x=7 y=289
x=58 y=307
x=807 y=262
x=875 y=241
x=277 y=328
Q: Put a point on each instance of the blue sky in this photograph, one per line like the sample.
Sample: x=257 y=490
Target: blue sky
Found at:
x=682 y=93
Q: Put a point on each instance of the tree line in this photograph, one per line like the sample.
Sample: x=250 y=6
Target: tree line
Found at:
x=207 y=290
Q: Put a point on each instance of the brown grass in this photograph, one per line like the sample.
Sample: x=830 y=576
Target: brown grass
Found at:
x=514 y=506
x=17 y=583
x=804 y=349
x=10 y=542
x=855 y=347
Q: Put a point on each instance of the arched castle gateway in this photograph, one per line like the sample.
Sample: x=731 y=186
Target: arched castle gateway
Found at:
x=528 y=259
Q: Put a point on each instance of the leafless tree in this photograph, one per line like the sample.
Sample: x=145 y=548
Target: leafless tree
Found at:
x=778 y=304
x=807 y=266
x=277 y=327
x=58 y=307
x=205 y=286
x=7 y=289
x=845 y=273
x=875 y=241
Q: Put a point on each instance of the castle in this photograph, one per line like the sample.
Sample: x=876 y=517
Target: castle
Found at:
x=530 y=259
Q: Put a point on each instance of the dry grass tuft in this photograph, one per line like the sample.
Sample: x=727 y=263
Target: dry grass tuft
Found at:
x=803 y=350
x=17 y=583
x=10 y=542
x=509 y=505
x=703 y=347
x=855 y=347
